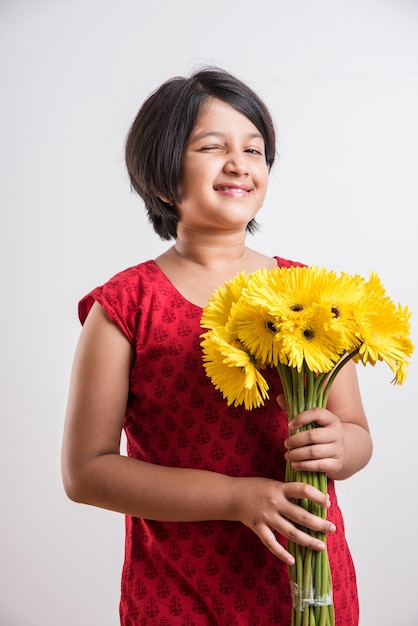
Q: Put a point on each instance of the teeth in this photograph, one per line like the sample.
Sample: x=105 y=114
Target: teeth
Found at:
x=238 y=189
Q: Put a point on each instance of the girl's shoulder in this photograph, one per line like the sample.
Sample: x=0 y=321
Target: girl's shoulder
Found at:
x=123 y=295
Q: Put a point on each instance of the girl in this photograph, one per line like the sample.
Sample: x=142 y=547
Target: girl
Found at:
x=207 y=510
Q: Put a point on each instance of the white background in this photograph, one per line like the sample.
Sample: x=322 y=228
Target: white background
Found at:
x=341 y=79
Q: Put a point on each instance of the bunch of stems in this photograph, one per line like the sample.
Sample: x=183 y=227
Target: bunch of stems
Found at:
x=310 y=575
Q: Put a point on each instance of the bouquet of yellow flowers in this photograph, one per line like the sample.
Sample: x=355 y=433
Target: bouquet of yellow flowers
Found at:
x=308 y=322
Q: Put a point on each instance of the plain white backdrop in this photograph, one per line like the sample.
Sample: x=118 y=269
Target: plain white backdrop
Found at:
x=341 y=79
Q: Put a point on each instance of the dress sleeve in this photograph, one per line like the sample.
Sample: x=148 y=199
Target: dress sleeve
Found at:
x=120 y=298
x=286 y=263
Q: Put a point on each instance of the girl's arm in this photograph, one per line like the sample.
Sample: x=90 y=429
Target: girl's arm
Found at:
x=94 y=472
x=343 y=445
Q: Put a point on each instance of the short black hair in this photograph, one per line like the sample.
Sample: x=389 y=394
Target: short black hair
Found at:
x=157 y=138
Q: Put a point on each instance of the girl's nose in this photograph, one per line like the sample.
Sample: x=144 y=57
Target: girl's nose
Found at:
x=236 y=164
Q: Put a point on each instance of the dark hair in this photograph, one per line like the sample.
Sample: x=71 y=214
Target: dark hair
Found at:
x=158 y=135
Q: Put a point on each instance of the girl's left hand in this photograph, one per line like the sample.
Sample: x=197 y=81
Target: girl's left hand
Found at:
x=319 y=449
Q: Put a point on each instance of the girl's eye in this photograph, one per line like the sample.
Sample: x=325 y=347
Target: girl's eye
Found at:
x=218 y=147
x=209 y=148
x=254 y=151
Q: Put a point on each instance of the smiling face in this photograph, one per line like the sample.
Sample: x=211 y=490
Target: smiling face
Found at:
x=224 y=171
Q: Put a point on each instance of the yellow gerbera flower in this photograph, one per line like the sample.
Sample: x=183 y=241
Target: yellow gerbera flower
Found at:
x=306 y=318
x=312 y=340
x=383 y=330
x=341 y=296
x=257 y=329
x=221 y=304
x=292 y=304
x=272 y=291
x=384 y=336
x=233 y=369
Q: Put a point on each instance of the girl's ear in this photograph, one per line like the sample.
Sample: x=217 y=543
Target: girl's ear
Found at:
x=166 y=200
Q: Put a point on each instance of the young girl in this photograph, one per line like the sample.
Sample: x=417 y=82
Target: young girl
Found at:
x=207 y=510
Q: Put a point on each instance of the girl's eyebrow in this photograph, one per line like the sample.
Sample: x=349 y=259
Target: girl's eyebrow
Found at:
x=215 y=133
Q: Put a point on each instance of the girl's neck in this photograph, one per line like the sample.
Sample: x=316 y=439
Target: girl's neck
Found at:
x=197 y=266
x=210 y=250
x=210 y=254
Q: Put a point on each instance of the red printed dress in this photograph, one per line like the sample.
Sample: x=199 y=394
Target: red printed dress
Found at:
x=201 y=573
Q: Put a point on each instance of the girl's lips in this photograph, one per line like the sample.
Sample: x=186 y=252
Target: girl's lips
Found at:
x=234 y=190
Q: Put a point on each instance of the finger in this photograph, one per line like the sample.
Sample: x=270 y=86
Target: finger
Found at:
x=294 y=527
x=315 y=458
x=322 y=417
x=301 y=491
x=328 y=465
x=311 y=437
x=309 y=452
x=281 y=401
x=302 y=517
x=269 y=539
x=299 y=536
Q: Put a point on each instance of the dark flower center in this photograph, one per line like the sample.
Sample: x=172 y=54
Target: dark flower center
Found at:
x=308 y=333
x=296 y=308
x=336 y=311
x=271 y=327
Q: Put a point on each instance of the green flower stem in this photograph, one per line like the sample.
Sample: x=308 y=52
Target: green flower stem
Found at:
x=319 y=579
x=309 y=576
x=334 y=372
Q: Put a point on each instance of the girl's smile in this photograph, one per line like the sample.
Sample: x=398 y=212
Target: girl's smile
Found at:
x=233 y=190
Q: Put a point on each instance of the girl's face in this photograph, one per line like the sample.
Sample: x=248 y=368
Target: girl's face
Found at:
x=224 y=171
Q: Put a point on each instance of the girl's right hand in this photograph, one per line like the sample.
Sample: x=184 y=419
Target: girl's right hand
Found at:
x=267 y=507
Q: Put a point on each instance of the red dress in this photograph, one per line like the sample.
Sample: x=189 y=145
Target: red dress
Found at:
x=201 y=573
